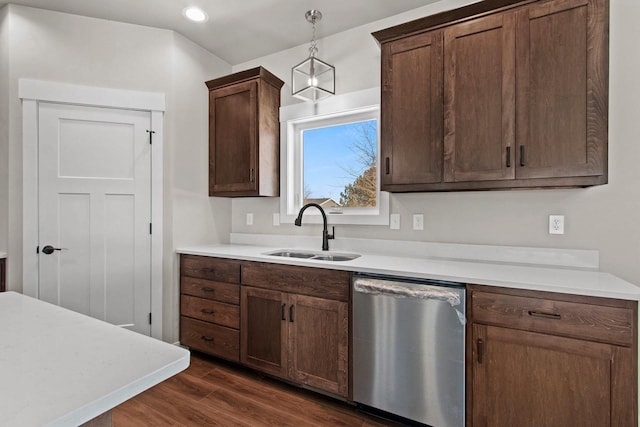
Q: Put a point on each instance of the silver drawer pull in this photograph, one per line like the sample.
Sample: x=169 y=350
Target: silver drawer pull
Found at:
x=207 y=311
x=552 y=316
x=206 y=338
x=207 y=289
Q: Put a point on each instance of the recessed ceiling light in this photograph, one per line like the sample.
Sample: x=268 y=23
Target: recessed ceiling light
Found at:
x=195 y=14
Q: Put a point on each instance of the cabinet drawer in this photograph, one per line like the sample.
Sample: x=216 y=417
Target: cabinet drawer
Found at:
x=592 y=322
x=318 y=282
x=224 y=292
x=217 y=269
x=210 y=338
x=210 y=311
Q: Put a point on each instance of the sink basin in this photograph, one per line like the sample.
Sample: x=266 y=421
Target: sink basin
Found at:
x=335 y=257
x=320 y=256
x=291 y=254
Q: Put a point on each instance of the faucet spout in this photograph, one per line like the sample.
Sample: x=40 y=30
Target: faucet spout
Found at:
x=325 y=233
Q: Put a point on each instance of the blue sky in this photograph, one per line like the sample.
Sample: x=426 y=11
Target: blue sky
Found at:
x=327 y=153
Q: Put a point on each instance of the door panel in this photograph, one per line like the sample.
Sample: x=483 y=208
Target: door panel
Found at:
x=479 y=99
x=561 y=123
x=318 y=334
x=95 y=206
x=263 y=330
x=530 y=379
x=233 y=121
x=412 y=110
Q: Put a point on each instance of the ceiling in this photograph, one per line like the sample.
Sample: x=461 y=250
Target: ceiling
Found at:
x=237 y=30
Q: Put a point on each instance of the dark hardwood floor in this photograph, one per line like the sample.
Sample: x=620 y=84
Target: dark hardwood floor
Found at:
x=214 y=393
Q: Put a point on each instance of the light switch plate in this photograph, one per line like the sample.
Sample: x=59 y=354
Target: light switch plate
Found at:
x=249 y=219
x=418 y=221
x=394 y=221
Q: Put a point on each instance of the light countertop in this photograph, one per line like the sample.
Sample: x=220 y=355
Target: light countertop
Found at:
x=3 y=255
x=61 y=368
x=531 y=277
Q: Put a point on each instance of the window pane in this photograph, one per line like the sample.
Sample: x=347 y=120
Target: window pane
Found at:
x=339 y=166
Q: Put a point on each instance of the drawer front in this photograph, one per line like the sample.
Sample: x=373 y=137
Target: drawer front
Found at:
x=613 y=325
x=216 y=269
x=209 y=338
x=210 y=311
x=317 y=282
x=218 y=291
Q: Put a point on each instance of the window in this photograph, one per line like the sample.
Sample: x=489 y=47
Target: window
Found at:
x=332 y=159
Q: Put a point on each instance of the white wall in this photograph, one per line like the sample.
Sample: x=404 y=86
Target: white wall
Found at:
x=4 y=127
x=68 y=48
x=604 y=218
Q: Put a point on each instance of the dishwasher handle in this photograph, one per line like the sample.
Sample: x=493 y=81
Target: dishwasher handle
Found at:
x=398 y=289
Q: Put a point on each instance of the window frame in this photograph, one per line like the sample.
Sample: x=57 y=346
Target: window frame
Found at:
x=294 y=119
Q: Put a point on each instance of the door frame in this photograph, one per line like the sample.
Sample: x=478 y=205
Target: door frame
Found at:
x=32 y=92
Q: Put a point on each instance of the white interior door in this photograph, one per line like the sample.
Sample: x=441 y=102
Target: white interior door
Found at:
x=94 y=210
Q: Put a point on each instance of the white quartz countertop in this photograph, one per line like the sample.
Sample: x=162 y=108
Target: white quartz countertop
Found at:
x=531 y=277
x=61 y=368
x=3 y=255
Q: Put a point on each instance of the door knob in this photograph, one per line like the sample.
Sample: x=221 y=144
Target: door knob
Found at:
x=49 y=249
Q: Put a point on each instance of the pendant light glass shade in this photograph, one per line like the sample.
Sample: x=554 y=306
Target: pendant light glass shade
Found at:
x=313 y=79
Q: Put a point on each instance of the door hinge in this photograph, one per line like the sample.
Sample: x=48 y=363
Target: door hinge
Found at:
x=150 y=228
x=149 y=318
x=150 y=132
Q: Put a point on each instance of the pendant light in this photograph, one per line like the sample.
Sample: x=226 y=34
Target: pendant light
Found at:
x=313 y=79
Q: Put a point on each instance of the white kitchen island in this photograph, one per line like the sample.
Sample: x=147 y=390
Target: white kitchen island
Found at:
x=61 y=368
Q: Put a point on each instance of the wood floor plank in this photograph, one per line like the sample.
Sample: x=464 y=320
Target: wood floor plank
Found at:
x=134 y=413
x=248 y=410
x=285 y=397
x=191 y=387
x=216 y=393
x=198 y=367
x=185 y=410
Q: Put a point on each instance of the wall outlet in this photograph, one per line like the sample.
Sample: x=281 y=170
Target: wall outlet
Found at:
x=249 y=219
x=418 y=221
x=276 y=219
x=394 y=221
x=556 y=224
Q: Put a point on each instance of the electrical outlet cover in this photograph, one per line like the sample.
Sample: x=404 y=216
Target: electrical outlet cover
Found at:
x=556 y=224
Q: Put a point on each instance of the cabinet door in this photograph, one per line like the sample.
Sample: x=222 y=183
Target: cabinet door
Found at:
x=411 y=132
x=232 y=138
x=263 y=329
x=562 y=89
x=531 y=379
x=3 y=286
x=319 y=343
x=479 y=99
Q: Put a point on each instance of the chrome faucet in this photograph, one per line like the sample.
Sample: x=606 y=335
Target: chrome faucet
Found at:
x=325 y=233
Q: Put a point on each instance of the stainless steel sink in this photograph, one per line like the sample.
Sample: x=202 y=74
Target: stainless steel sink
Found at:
x=320 y=256
x=336 y=257
x=291 y=254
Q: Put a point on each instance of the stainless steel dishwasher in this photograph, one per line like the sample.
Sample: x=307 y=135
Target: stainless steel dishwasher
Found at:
x=408 y=348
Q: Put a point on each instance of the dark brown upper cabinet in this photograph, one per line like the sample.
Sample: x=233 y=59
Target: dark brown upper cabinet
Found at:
x=480 y=99
x=244 y=134
x=412 y=114
x=562 y=90
x=514 y=96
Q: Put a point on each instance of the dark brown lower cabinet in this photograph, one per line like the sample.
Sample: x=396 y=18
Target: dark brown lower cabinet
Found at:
x=3 y=275
x=209 y=305
x=296 y=337
x=263 y=326
x=541 y=361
